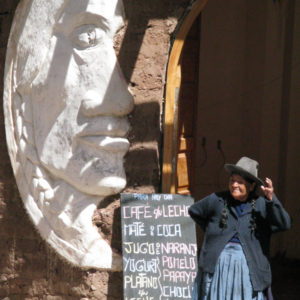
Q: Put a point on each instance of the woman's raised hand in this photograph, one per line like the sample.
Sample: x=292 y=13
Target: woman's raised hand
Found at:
x=268 y=190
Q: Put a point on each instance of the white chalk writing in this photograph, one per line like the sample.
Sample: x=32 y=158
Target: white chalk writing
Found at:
x=172 y=262
x=140 y=298
x=168 y=230
x=140 y=281
x=179 y=276
x=137 y=212
x=135 y=229
x=159 y=247
x=141 y=265
x=177 y=292
x=179 y=248
x=142 y=248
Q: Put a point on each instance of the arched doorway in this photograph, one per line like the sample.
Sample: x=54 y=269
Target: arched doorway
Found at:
x=239 y=103
x=247 y=101
x=179 y=138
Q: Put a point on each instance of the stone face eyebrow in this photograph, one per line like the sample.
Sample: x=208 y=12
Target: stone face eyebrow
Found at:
x=66 y=24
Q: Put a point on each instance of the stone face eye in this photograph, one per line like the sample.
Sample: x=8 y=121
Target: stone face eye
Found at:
x=87 y=36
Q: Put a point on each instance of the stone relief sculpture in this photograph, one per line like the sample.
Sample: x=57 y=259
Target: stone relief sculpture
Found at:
x=65 y=104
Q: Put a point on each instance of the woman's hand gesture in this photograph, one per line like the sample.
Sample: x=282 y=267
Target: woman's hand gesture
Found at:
x=268 y=190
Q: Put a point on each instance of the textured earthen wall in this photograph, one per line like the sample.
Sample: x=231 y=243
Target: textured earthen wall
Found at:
x=28 y=268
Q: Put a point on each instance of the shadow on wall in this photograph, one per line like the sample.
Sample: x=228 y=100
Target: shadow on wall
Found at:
x=142 y=169
x=138 y=15
x=26 y=260
x=141 y=162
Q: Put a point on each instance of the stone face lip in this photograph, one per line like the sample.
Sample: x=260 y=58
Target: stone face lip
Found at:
x=107 y=143
x=66 y=104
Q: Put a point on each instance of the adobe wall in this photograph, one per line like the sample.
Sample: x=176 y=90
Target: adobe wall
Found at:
x=28 y=268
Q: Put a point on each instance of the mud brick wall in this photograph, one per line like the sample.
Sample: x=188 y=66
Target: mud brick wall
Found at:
x=28 y=268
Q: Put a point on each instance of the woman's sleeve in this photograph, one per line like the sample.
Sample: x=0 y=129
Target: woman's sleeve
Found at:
x=199 y=211
x=278 y=217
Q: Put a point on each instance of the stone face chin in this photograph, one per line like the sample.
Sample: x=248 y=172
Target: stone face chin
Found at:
x=66 y=105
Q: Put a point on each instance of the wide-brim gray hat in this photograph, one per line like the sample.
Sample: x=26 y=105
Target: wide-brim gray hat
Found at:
x=247 y=168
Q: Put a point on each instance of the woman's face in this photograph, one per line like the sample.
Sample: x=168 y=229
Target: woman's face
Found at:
x=80 y=101
x=239 y=187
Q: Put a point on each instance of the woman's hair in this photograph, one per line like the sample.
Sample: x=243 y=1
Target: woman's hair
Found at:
x=224 y=215
x=225 y=212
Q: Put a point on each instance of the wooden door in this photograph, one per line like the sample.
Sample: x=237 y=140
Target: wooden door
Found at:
x=180 y=107
x=187 y=112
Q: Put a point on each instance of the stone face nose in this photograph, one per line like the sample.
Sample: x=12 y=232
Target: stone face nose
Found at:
x=114 y=99
x=92 y=105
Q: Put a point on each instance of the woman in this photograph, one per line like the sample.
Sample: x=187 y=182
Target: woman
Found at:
x=234 y=259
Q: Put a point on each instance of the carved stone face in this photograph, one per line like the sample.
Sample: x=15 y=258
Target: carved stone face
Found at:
x=65 y=103
x=80 y=101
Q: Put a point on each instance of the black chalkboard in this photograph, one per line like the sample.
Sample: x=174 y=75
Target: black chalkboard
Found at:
x=159 y=247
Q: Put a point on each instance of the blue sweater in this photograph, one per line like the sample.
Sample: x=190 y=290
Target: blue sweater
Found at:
x=270 y=217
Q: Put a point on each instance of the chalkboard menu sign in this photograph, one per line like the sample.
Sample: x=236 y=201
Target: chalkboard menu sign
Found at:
x=159 y=247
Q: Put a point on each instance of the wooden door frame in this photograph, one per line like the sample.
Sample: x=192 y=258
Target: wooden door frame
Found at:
x=171 y=101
